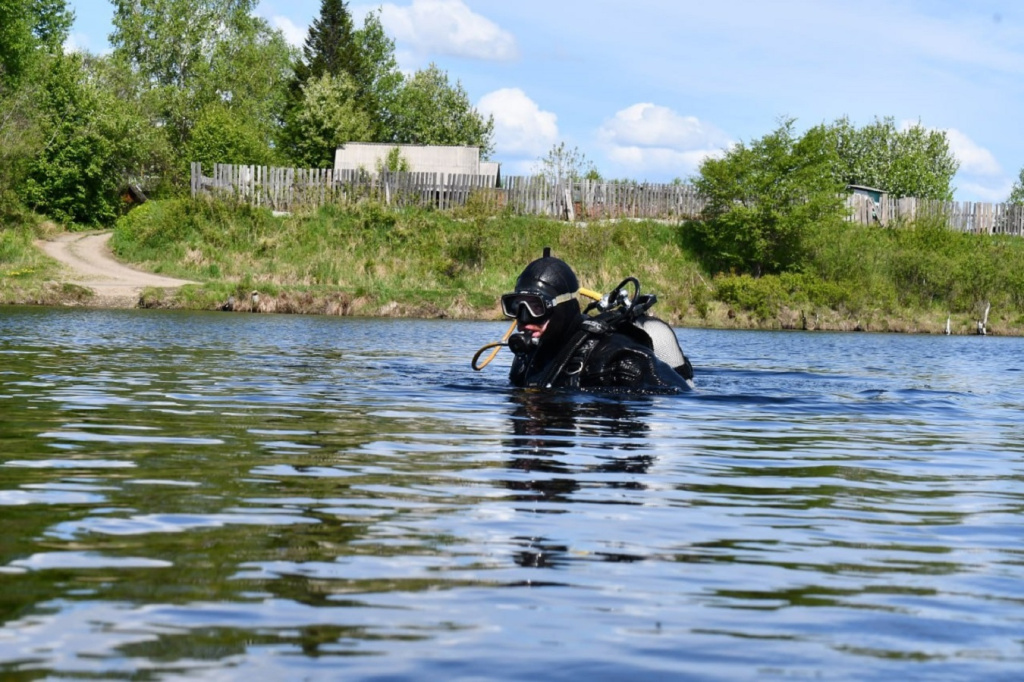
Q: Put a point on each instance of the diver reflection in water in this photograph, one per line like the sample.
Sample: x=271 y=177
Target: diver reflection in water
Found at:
x=553 y=433
x=571 y=445
x=618 y=348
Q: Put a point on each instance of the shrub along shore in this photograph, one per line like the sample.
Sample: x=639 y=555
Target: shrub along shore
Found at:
x=371 y=261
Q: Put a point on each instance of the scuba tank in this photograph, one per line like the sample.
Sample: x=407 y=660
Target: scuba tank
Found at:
x=620 y=310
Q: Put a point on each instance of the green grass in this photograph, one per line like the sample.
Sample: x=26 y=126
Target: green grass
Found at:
x=26 y=275
x=370 y=260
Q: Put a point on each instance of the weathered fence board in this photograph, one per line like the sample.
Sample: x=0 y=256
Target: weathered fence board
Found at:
x=289 y=189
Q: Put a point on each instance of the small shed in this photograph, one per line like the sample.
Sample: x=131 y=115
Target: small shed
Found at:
x=866 y=203
x=873 y=193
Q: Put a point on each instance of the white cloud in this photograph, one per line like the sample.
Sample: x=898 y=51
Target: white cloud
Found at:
x=974 y=159
x=448 y=27
x=79 y=42
x=518 y=167
x=521 y=128
x=648 y=137
x=995 y=193
x=292 y=33
x=661 y=159
x=75 y=42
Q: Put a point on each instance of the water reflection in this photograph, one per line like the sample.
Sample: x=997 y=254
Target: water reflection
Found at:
x=566 y=446
x=561 y=433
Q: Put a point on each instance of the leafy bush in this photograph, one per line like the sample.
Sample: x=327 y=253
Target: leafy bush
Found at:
x=222 y=136
x=765 y=296
x=95 y=140
x=765 y=201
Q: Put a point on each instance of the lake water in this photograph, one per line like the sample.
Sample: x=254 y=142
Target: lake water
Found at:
x=242 y=497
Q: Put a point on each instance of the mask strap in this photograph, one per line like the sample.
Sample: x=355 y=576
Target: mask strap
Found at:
x=564 y=298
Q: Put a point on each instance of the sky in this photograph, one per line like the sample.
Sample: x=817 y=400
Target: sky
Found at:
x=646 y=89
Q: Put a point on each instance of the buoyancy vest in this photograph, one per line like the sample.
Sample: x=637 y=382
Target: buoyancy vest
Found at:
x=610 y=351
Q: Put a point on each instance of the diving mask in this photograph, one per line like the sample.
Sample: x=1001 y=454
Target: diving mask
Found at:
x=537 y=305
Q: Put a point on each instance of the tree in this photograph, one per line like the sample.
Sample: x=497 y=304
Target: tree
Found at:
x=21 y=139
x=394 y=162
x=333 y=51
x=190 y=54
x=330 y=47
x=93 y=143
x=327 y=116
x=766 y=200
x=914 y=162
x=52 y=23
x=1017 y=193
x=365 y=56
x=429 y=110
x=563 y=164
x=29 y=28
x=219 y=136
x=381 y=79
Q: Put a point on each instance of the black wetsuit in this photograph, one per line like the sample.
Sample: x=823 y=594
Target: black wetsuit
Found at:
x=592 y=356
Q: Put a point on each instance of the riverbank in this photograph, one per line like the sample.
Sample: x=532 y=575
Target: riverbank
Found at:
x=372 y=262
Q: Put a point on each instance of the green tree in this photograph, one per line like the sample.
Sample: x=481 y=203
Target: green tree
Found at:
x=331 y=51
x=21 y=140
x=394 y=162
x=52 y=22
x=28 y=29
x=766 y=200
x=31 y=33
x=381 y=78
x=564 y=164
x=189 y=54
x=331 y=47
x=430 y=110
x=329 y=115
x=1017 y=193
x=16 y=42
x=220 y=136
x=914 y=162
x=92 y=146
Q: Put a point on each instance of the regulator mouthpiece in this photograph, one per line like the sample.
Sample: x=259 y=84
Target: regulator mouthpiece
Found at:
x=522 y=342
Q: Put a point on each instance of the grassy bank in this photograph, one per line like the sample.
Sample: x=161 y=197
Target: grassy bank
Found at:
x=27 y=276
x=370 y=261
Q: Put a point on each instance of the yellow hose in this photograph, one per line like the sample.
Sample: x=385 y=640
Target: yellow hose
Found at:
x=496 y=346
x=589 y=293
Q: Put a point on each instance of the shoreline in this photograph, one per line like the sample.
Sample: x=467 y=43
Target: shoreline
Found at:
x=90 y=277
x=340 y=304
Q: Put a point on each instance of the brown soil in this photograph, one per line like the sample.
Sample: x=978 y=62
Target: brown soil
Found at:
x=88 y=262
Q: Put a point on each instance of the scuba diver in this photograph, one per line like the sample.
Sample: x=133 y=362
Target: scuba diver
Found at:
x=557 y=344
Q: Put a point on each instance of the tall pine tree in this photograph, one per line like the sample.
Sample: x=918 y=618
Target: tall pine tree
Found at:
x=330 y=48
x=333 y=51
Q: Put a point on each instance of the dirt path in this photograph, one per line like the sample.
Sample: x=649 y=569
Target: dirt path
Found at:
x=89 y=263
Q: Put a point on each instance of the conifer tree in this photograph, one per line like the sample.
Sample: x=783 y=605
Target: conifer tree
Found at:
x=330 y=48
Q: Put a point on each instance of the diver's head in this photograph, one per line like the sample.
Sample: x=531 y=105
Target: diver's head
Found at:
x=545 y=299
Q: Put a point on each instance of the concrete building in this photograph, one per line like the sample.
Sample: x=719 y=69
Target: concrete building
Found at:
x=370 y=156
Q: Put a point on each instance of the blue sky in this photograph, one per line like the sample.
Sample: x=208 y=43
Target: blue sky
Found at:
x=646 y=89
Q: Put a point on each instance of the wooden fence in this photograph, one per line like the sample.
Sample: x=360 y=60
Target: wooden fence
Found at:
x=290 y=189
x=963 y=216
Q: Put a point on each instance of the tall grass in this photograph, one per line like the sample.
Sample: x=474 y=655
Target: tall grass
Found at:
x=458 y=264
x=381 y=255
x=25 y=273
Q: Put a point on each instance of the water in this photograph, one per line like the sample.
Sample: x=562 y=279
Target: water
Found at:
x=240 y=497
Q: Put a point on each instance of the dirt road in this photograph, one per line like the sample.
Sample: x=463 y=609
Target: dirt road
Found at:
x=89 y=263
